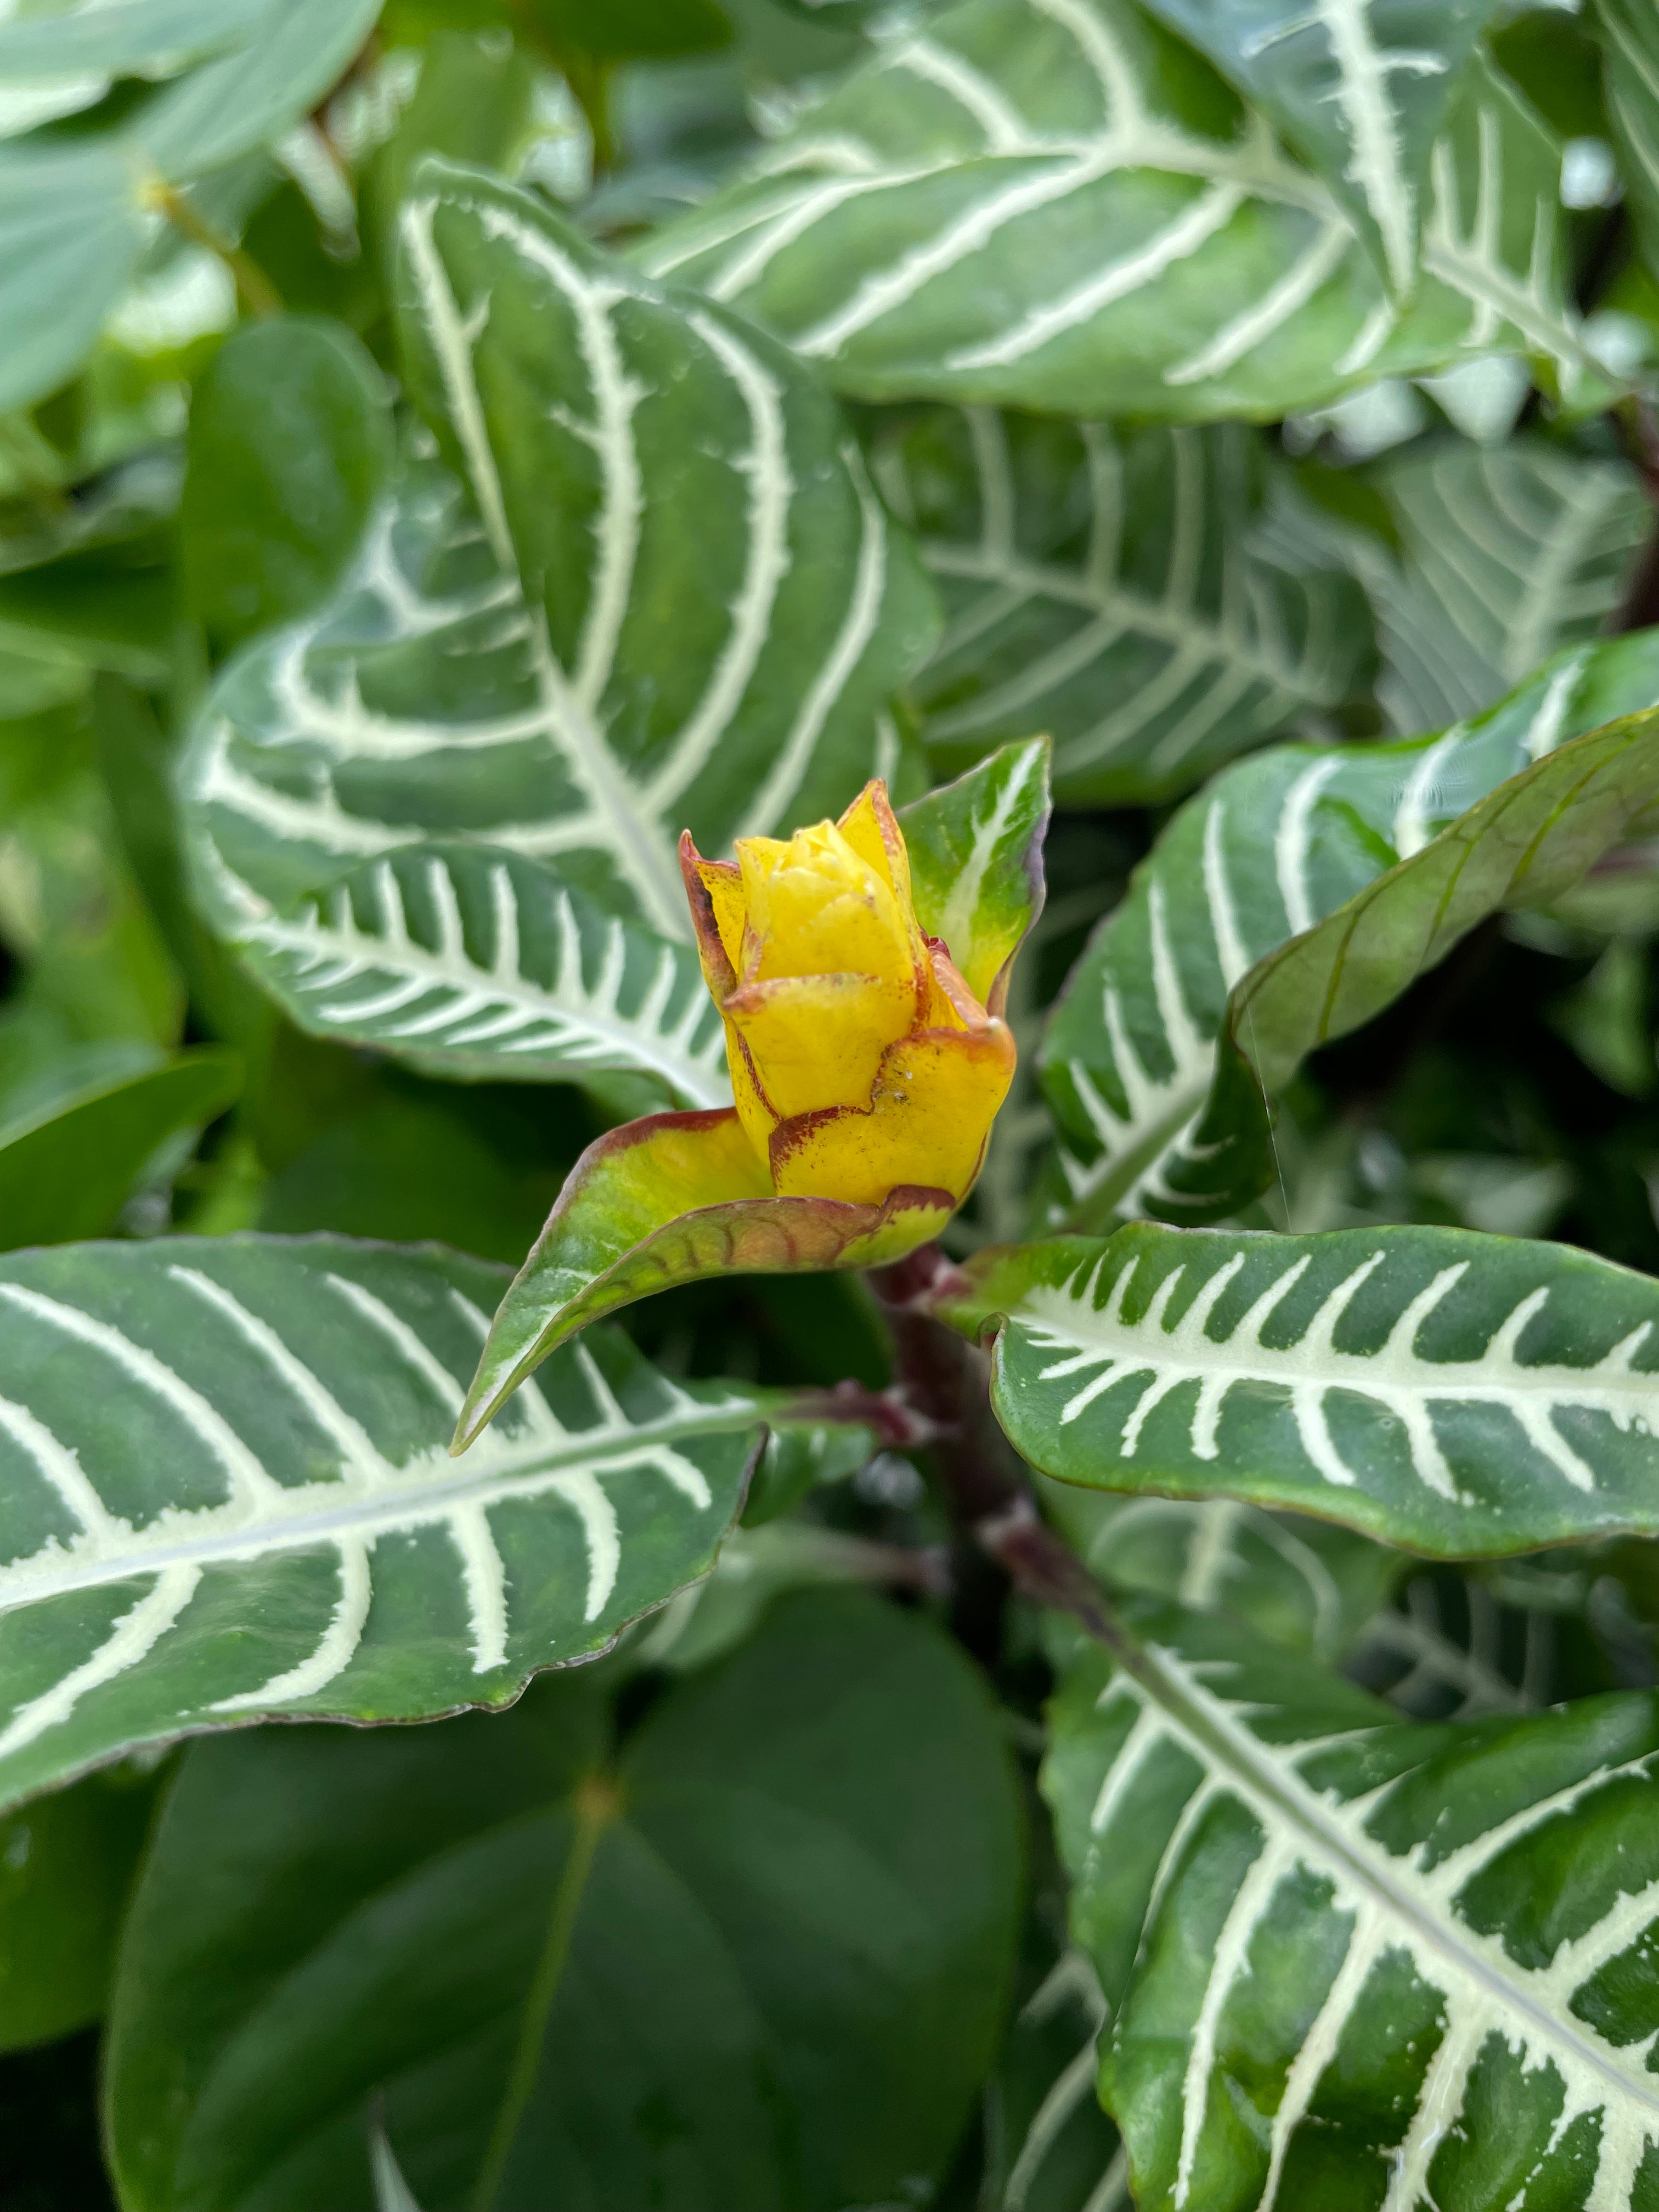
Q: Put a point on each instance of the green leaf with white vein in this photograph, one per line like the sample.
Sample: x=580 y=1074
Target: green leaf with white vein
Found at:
x=717 y=608
x=1629 y=32
x=1273 y=846
x=1456 y=1393
x=227 y=1494
x=1102 y=585
x=975 y=848
x=1355 y=1960
x=1506 y=554
x=472 y=961
x=933 y=230
x=1361 y=90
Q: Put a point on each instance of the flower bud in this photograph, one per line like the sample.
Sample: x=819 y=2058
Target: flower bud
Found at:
x=861 y=1062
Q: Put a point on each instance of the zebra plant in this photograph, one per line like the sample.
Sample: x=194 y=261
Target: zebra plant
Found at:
x=829 y=866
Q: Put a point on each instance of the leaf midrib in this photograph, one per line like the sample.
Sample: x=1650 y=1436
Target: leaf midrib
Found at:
x=380 y=1511
x=1219 y=1745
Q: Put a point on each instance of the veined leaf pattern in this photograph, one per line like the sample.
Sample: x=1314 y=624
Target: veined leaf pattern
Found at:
x=1348 y=1952
x=703 y=629
x=1450 y=1392
x=1102 y=585
x=227 y=1494
x=1630 y=45
x=933 y=230
x=1272 y=845
x=1505 y=553
x=1361 y=88
x=469 y=959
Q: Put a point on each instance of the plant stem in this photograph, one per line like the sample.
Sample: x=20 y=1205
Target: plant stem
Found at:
x=1638 y=433
x=258 y=295
x=986 y=1486
x=597 y=1803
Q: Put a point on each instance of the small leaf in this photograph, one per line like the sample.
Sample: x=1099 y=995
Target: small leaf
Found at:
x=669 y=1199
x=1353 y=1959
x=756 y=1956
x=975 y=849
x=472 y=961
x=66 y=1173
x=1274 y=846
x=1456 y=1393
x=1361 y=90
x=289 y=447
x=1104 y=585
x=223 y=1481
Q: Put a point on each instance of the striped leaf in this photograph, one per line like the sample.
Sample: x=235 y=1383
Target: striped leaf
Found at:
x=471 y=960
x=1102 y=585
x=1505 y=553
x=934 y=230
x=701 y=629
x=227 y=1495
x=1355 y=1960
x=1275 y=845
x=1304 y=1583
x=1457 y=1394
x=975 y=849
x=1629 y=32
x=1361 y=88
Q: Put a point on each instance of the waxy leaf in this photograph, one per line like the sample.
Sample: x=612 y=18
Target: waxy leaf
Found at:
x=703 y=628
x=1275 y=845
x=1102 y=585
x=290 y=445
x=934 y=230
x=225 y=1494
x=756 y=1957
x=1360 y=89
x=664 y=1200
x=1354 y=1961
x=473 y=960
x=1456 y=1393
x=975 y=848
x=126 y=38
x=66 y=1172
x=1506 y=554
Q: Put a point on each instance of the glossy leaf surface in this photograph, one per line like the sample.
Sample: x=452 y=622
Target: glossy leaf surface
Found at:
x=65 y=1173
x=931 y=230
x=976 y=851
x=1355 y=1961
x=1102 y=585
x=227 y=1494
x=1275 y=845
x=1456 y=1393
x=604 y=1995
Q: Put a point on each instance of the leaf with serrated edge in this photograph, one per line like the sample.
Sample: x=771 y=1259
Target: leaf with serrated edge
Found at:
x=226 y=1494
x=975 y=848
x=1354 y=1959
x=933 y=229
x=1275 y=844
x=1456 y=1393
x=1361 y=88
x=474 y=962
x=1103 y=585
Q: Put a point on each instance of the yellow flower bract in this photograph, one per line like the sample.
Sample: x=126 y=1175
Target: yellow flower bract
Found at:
x=860 y=1061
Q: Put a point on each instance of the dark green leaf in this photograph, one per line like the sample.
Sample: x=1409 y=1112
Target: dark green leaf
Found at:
x=66 y=1173
x=1456 y=1393
x=66 y=1865
x=755 y=1959
x=227 y=1495
x=290 y=447
x=1356 y=1961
